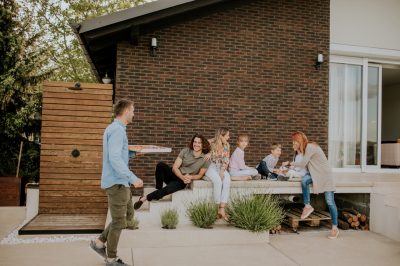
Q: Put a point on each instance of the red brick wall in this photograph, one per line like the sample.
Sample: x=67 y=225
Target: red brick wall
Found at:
x=249 y=68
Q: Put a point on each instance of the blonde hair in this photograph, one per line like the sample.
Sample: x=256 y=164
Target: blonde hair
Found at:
x=219 y=133
x=242 y=137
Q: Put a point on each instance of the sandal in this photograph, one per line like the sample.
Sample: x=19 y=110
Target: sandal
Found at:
x=222 y=215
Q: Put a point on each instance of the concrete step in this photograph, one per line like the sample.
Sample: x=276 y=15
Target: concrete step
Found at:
x=187 y=235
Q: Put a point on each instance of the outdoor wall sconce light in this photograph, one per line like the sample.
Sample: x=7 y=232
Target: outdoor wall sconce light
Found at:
x=153 y=46
x=106 y=79
x=319 y=60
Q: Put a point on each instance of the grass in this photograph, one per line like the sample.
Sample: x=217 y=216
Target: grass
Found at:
x=132 y=224
x=169 y=219
x=202 y=214
x=256 y=213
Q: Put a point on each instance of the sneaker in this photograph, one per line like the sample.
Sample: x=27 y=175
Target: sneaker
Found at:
x=99 y=251
x=116 y=262
x=138 y=204
x=334 y=234
x=282 y=178
x=306 y=212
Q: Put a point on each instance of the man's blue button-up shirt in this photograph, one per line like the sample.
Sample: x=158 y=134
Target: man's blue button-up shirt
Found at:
x=116 y=157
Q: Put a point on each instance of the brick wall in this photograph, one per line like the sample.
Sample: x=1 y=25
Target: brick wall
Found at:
x=249 y=68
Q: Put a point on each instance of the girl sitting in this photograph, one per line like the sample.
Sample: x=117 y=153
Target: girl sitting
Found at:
x=238 y=169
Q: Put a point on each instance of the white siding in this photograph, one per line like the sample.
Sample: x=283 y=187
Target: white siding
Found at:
x=366 y=23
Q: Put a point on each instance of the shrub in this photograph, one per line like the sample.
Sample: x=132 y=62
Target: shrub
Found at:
x=132 y=224
x=257 y=213
x=202 y=214
x=169 y=219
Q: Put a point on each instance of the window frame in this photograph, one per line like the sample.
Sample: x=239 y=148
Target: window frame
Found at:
x=365 y=62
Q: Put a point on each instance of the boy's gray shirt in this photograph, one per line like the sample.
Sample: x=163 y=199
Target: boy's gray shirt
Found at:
x=271 y=162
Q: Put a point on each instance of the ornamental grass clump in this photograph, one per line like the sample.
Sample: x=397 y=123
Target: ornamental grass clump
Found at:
x=132 y=224
x=256 y=213
x=169 y=219
x=202 y=214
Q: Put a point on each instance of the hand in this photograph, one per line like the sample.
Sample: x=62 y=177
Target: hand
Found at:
x=187 y=179
x=138 y=183
x=207 y=157
x=222 y=174
x=285 y=163
x=292 y=164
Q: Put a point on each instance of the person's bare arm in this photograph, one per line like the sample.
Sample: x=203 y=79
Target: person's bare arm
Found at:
x=175 y=168
x=200 y=174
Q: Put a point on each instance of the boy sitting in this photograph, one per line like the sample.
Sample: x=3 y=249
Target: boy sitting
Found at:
x=266 y=168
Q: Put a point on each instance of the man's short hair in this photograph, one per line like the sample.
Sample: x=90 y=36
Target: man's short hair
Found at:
x=121 y=106
x=275 y=145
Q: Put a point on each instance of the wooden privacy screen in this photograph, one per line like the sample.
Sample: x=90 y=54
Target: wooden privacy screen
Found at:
x=73 y=122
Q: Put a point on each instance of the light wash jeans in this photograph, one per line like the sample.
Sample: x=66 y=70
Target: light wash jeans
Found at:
x=329 y=198
x=245 y=172
x=221 y=187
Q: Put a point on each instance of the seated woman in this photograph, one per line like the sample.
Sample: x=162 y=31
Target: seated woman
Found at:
x=321 y=178
x=217 y=172
x=189 y=165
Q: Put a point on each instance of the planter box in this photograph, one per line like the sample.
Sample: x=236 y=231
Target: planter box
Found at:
x=10 y=191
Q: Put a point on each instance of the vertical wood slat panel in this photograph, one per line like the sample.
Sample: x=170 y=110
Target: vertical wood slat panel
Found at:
x=73 y=181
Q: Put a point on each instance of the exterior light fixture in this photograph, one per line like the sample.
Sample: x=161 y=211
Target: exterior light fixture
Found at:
x=106 y=79
x=153 y=46
x=319 y=60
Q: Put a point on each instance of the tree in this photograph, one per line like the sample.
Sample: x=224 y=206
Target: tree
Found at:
x=23 y=66
x=54 y=17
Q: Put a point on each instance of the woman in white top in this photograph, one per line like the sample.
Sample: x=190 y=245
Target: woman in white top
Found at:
x=297 y=171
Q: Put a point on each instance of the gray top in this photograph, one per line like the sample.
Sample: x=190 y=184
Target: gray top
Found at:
x=191 y=164
x=271 y=162
x=321 y=173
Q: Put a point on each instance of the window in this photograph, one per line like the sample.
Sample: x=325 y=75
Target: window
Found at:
x=355 y=87
x=345 y=115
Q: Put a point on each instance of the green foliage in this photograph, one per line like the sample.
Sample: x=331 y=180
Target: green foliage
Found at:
x=55 y=17
x=22 y=69
x=23 y=66
x=30 y=162
x=202 y=214
x=169 y=219
x=132 y=224
x=257 y=213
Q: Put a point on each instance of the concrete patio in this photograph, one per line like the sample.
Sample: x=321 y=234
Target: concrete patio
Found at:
x=306 y=248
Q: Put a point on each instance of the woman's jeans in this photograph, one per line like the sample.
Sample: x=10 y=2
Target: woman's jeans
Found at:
x=221 y=187
x=329 y=198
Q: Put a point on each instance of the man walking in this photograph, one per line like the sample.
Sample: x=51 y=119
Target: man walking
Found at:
x=116 y=179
